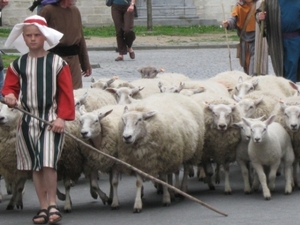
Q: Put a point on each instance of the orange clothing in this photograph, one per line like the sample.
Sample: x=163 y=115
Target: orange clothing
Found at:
x=241 y=12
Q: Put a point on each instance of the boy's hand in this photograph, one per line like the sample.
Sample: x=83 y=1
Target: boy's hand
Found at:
x=58 y=125
x=262 y=15
x=225 y=23
x=10 y=100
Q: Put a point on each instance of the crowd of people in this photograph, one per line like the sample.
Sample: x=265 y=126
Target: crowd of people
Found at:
x=55 y=38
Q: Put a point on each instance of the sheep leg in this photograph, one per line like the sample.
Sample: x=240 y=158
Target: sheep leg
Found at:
x=263 y=180
x=96 y=188
x=17 y=194
x=245 y=174
x=209 y=172
x=114 y=184
x=200 y=173
x=186 y=172
x=288 y=176
x=166 y=195
x=1 y=196
x=68 y=201
x=272 y=176
x=228 y=190
x=191 y=171
x=60 y=196
x=217 y=174
x=295 y=173
x=170 y=181
x=138 y=204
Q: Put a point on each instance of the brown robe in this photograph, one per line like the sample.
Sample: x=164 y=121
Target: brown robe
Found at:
x=68 y=21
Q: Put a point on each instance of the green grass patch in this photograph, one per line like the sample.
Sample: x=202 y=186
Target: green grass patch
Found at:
x=8 y=58
x=109 y=31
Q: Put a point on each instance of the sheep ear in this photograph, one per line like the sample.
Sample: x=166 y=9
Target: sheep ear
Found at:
x=236 y=98
x=238 y=125
x=125 y=109
x=148 y=115
x=102 y=115
x=111 y=90
x=82 y=98
x=82 y=110
x=240 y=79
x=255 y=83
x=246 y=121
x=270 y=120
x=282 y=105
x=257 y=101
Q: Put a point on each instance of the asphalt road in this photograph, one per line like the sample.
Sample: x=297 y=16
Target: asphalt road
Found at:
x=241 y=209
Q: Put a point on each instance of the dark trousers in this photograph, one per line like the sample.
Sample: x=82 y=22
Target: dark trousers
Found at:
x=124 y=22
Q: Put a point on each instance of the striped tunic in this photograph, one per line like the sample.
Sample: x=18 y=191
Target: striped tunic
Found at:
x=44 y=87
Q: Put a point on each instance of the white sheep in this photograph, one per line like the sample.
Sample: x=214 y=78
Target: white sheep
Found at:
x=270 y=145
x=92 y=98
x=257 y=104
x=242 y=156
x=100 y=129
x=221 y=138
x=288 y=115
x=107 y=83
x=9 y=118
x=230 y=78
x=158 y=135
x=268 y=83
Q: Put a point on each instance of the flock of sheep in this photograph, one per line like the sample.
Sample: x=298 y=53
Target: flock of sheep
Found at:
x=164 y=122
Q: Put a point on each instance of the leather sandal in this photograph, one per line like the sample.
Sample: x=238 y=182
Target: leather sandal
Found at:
x=39 y=215
x=132 y=55
x=119 y=58
x=54 y=213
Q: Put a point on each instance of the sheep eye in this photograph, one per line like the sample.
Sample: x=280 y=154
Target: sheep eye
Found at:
x=251 y=89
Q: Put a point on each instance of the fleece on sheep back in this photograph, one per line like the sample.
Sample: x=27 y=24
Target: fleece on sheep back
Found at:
x=174 y=135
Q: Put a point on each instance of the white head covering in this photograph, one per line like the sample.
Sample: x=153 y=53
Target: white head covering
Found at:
x=16 y=39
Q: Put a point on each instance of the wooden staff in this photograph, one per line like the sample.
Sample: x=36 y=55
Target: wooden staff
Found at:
x=125 y=164
x=260 y=41
x=226 y=35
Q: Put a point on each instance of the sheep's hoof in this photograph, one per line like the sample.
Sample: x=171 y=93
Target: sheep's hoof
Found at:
x=109 y=201
x=9 y=207
x=228 y=193
x=137 y=210
x=115 y=208
x=248 y=192
x=67 y=210
x=288 y=193
x=267 y=198
x=166 y=204
x=94 y=195
x=212 y=188
x=200 y=179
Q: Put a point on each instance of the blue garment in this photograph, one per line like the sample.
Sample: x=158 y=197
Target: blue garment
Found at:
x=290 y=23
x=122 y=2
x=290 y=15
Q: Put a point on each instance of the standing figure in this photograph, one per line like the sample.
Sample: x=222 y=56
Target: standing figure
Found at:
x=122 y=12
x=282 y=29
x=65 y=17
x=243 y=19
x=42 y=82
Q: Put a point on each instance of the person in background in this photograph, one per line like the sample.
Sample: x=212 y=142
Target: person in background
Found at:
x=243 y=19
x=41 y=81
x=3 y=3
x=282 y=30
x=65 y=17
x=122 y=12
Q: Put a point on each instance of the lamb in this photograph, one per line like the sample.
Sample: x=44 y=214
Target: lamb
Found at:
x=9 y=119
x=242 y=156
x=270 y=145
x=268 y=83
x=149 y=71
x=258 y=103
x=221 y=138
x=158 y=135
x=100 y=128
